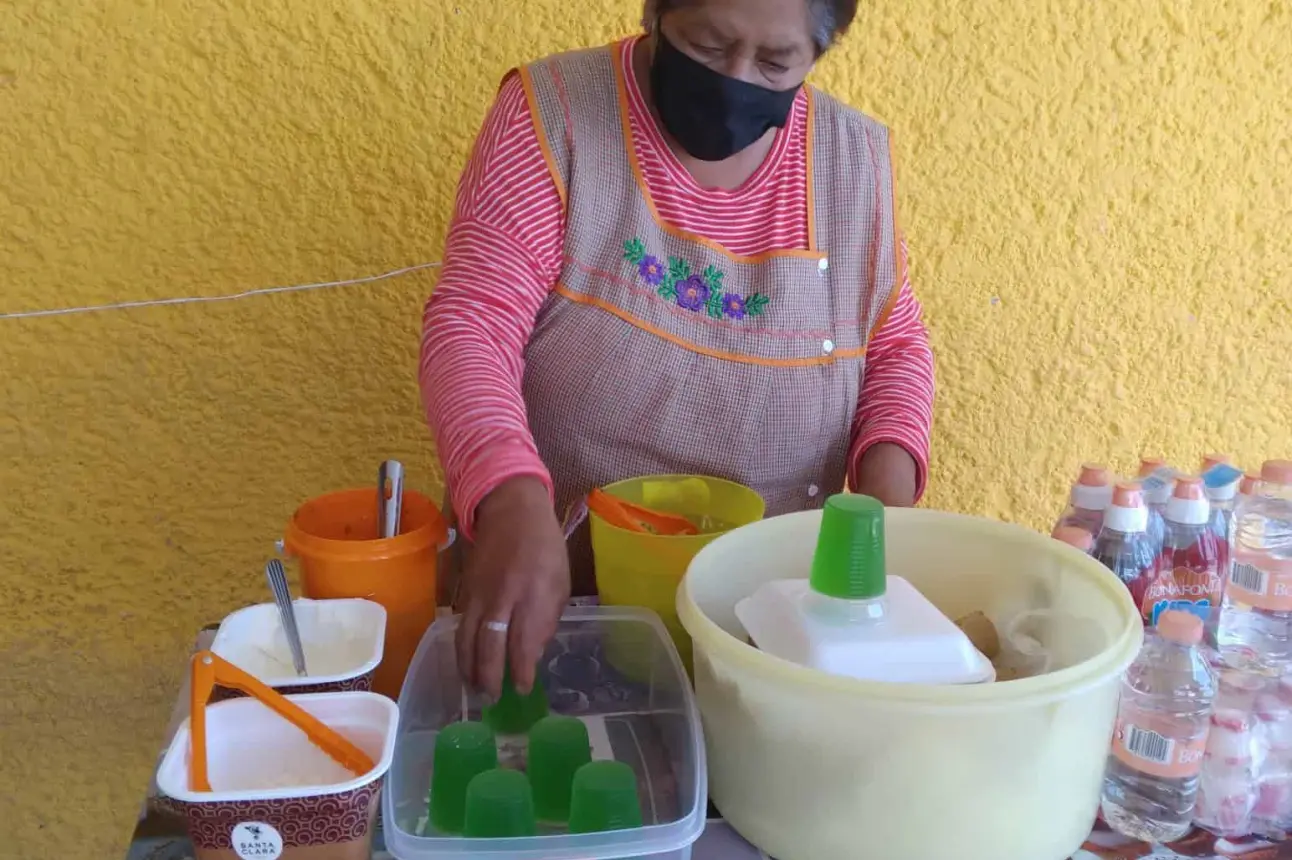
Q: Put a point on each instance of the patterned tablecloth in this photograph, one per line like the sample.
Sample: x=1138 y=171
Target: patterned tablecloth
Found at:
x=159 y=834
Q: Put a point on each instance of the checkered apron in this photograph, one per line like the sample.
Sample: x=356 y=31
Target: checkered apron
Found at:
x=658 y=352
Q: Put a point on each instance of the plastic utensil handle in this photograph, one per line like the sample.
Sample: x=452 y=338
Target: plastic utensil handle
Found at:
x=635 y=518
x=662 y=523
x=575 y=514
x=210 y=669
x=277 y=576
x=390 y=497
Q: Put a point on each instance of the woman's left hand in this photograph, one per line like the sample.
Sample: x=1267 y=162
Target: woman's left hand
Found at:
x=888 y=473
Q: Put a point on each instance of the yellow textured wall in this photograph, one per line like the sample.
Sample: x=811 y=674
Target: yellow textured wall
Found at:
x=1098 y=197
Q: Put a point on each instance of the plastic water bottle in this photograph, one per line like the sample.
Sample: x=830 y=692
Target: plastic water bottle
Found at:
x=1089 y=498
x=1220 y=483
x=1158 y=481
x=1187 y=573
x=1255 y=630
x=1123 y=544
x=1247 y=488
x=1151 y=780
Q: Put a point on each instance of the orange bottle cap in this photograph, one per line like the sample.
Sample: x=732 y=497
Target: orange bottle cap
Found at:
x=1210 y=461
x=1277 y=471
x=1189 y=488
x=1128 y=494
x=1074 y=536
x=1093 y=475
x=1182 y=628
x=1149 y=465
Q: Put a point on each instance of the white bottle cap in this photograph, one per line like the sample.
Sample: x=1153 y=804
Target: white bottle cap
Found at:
x=1222 y=493
x=1188 y=505
x=1092 y=491
x=1127 y=513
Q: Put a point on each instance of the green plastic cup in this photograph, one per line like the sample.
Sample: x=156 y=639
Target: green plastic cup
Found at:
x=514 y=714
x=604 y=797
x=558 y=747
x=849 y=562
x=500 y=804
x=462 y=751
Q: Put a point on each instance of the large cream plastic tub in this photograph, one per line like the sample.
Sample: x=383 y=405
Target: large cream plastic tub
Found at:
x=809 y=766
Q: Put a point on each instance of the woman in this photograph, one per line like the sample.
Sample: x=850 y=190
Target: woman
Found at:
x=668 y=256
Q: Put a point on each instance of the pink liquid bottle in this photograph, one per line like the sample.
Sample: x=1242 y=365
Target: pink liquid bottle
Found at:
x=1187 y=573
x=1158 y=480
x=1089 y=498
x=1123 y=544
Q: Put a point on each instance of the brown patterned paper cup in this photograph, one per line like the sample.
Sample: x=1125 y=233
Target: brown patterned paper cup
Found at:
x=274 y=794
x=359 y=683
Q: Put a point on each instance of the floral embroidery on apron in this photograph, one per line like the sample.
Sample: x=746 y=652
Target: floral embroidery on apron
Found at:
x=703 y=292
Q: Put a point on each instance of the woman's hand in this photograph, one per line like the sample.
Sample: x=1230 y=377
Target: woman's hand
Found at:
x=517 y=584
x=888 y=473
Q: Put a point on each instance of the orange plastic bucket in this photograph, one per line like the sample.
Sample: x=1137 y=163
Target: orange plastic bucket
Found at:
x=334 y=537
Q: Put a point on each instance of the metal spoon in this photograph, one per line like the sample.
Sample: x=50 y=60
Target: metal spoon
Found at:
x=390 y=497
x=277 y=577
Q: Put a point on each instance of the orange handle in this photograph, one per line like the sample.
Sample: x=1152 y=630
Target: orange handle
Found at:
x=636 y=518
x=210 y=669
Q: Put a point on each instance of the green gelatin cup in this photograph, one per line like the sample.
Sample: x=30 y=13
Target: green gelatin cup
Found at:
x=500 y=805
x=604 y=797
x=462 y=751
x=558 y=747
x=849 y=562
x=514 y=714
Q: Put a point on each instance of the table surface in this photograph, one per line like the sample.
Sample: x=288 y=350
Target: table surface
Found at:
x=159 y=834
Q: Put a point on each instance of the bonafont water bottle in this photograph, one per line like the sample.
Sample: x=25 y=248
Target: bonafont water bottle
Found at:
x=1255 y=630
x=1151 y=780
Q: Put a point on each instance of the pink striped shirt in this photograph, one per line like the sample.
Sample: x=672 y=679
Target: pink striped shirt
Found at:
x=504 y=254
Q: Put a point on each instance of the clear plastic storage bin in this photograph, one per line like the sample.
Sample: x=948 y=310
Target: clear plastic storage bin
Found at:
x=652 y=725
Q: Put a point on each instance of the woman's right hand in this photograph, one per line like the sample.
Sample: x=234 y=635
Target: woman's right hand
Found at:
x=516 y=586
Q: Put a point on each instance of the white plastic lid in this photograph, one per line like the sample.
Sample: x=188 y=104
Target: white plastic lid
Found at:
x=1188 y=505
x=1092 y=491
x=1128 y=520
x=1127 y=513
x=1222 y=493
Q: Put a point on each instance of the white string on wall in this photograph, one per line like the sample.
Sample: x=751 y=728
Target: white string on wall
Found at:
x=192 y=300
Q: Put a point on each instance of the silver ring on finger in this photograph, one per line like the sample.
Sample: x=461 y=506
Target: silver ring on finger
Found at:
x=497 y=626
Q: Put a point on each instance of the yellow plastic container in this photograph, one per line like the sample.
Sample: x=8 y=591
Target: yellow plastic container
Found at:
x=810 y=766
x=635 y=569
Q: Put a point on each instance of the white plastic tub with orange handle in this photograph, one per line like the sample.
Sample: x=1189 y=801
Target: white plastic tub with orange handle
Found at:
x=810 y=766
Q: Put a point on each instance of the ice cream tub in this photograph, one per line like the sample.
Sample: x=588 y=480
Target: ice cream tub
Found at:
x=343 y=642
x=273 y=792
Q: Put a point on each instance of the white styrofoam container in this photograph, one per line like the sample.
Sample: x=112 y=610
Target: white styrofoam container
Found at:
x=343 y=642
x=902 y=638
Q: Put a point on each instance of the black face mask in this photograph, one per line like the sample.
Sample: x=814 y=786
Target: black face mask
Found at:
x=709 y=114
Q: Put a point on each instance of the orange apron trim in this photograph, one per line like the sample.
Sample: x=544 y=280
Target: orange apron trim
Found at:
x=580 y=298
x=527 y=83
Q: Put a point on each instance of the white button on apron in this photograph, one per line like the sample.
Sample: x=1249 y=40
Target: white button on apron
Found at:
x=823 y=263
x=827 y=346
x=813 y=490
